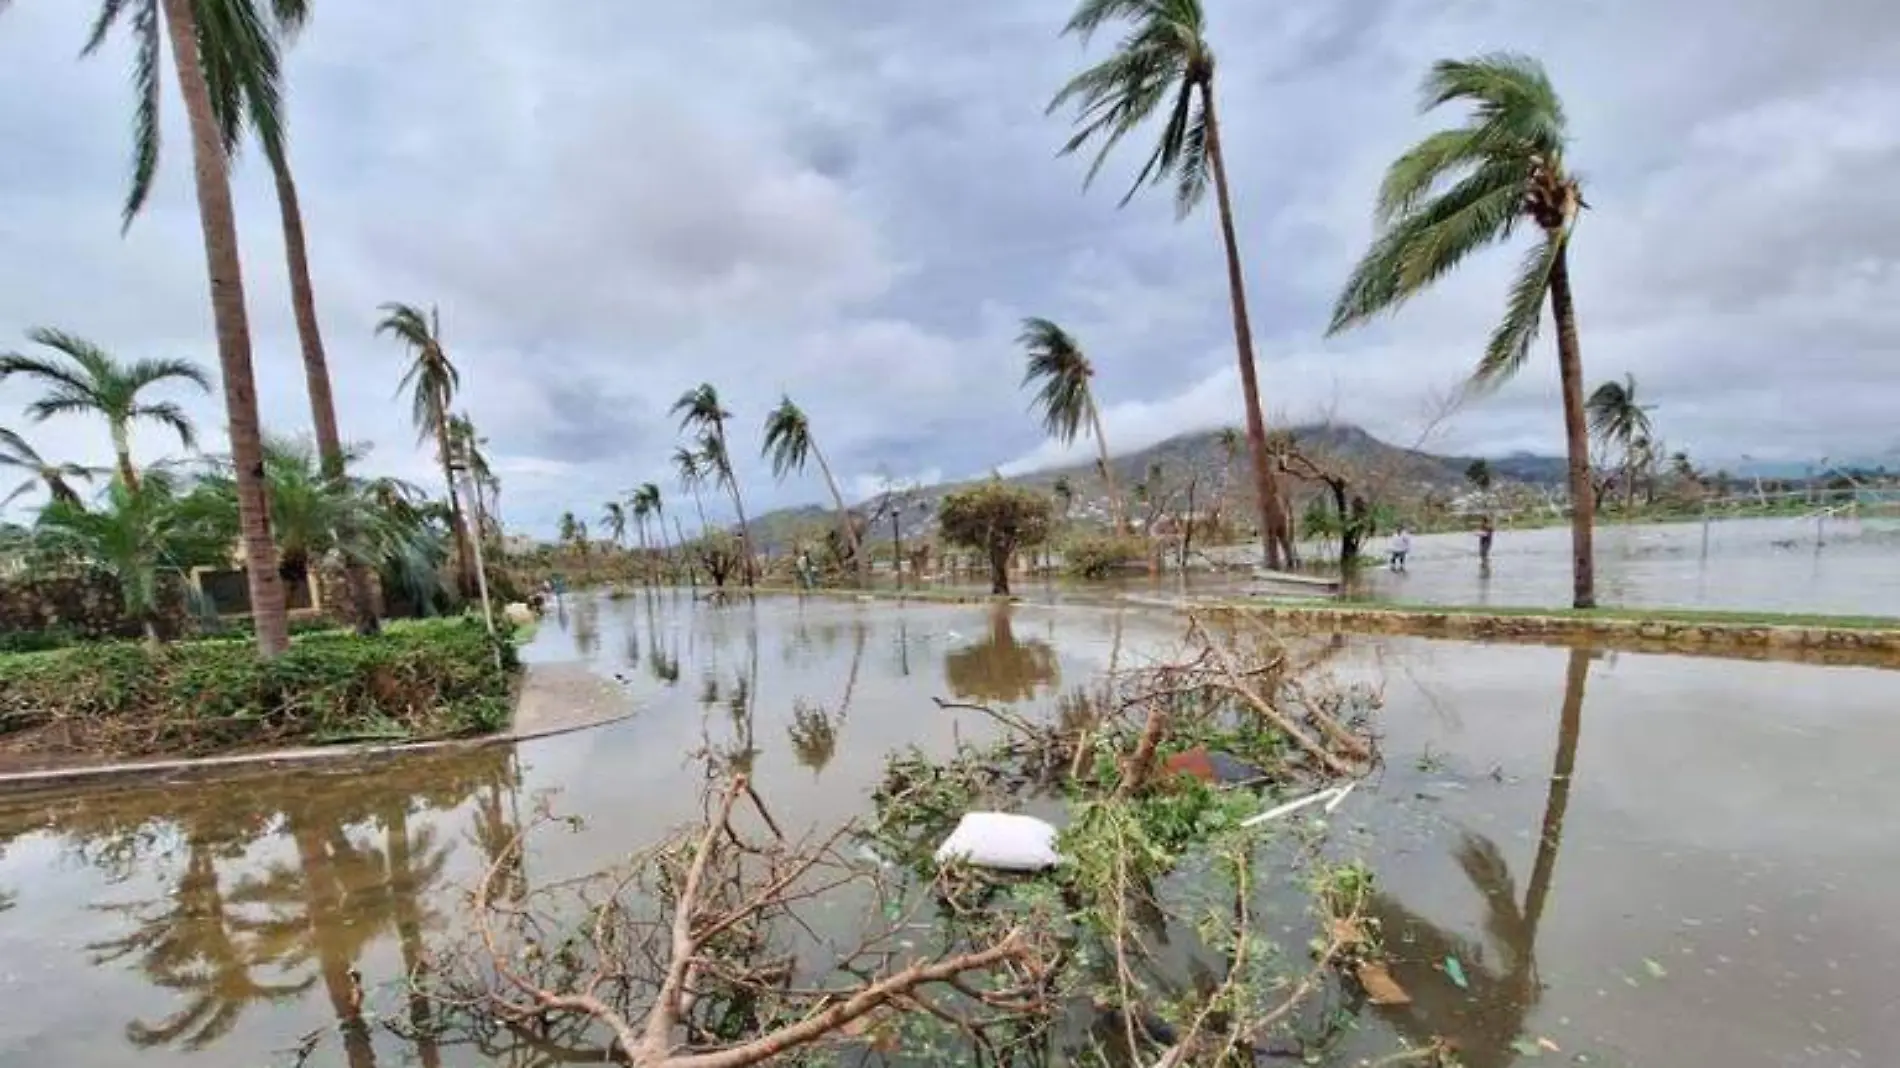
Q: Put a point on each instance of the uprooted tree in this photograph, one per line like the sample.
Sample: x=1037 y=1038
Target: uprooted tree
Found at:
x=998 y=520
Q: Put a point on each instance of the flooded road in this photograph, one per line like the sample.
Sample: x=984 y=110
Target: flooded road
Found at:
x=1640 y=860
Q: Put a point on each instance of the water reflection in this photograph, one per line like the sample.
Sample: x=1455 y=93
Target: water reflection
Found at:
x=270 y=889
x=1486 y=1016
x=1000 y=668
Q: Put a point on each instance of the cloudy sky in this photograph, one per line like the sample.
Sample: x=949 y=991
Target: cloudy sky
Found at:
x=855 y=201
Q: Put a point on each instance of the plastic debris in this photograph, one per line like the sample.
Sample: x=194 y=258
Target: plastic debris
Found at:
x=1002 y=841
x=1331 y=793
x=1457 y=973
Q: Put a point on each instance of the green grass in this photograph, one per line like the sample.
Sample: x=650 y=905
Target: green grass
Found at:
x=1740 y=618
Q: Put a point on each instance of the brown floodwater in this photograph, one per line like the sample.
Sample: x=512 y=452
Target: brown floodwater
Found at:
x=1642 y=860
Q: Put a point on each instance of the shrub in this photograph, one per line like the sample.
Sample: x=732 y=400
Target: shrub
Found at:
x=417 y=679
x=38 y=641
x=1101 y=555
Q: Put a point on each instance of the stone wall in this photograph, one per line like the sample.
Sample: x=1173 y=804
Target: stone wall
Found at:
x=86 y=603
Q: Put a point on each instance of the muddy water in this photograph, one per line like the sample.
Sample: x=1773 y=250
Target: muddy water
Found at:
x=1642 y=860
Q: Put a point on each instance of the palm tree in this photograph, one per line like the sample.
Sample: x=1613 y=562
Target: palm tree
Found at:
x=1618 y=420
x=789 y=442
x=1165 y=59
x=571 y=529
x=1469 y=186
x=613 y=519
x=86 y=379
x=432 y=381
x=692 y=475
x=190 y=42
x=139 y=537
x=648 y=497
x=1060 y=372
x=642 y=511
x=699 y=409
x=17 y=454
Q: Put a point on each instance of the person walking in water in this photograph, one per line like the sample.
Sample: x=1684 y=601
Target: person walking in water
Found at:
x=1485 y=534
x=1401 y=547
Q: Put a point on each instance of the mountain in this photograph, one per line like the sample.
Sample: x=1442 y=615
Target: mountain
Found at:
x=1199 y=458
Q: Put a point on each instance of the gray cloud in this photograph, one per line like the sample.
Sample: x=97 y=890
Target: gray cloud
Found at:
x=855 y=201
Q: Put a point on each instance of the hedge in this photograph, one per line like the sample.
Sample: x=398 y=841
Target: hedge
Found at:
x=417 y=679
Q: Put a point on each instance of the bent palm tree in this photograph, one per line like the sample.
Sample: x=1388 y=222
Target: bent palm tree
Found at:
x=692 y=475
x=89 y=381
x=613 y=519
x=1469 y=186
x=647 y=498
x=1165 y=59
x=1618 y=420
x=432 y=381
x=17 y=454
x=789 y=443
x=191 y=40
x=641 y=510
x=698 y=409
x=1061 y=372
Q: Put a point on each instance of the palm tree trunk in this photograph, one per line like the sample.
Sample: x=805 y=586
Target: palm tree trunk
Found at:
x=218 y=219
x=1117 y=509
x=1276 y=536
x=686 y=558
x=1576 y=433
x=738 y=505
x=316 y=372
x=122 y=449
x=666 y=553
x=844 y=514
x=464 y=571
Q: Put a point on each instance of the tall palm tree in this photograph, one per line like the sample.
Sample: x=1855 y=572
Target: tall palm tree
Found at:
x=699 y=409
x=649 y=498
x=85 y=379
x=691 y=467
x=1618 y=420
x=432 y=381
x=17 y=454
x=571 y=529
x=642 y=510
x=1469 y=186
x=789 y=443
x=613 y=519
x=1060 y=371
x=1165 y=59
x=178 y=22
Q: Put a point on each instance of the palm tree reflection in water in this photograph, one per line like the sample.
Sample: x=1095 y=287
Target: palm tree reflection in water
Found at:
x=1486 y=1020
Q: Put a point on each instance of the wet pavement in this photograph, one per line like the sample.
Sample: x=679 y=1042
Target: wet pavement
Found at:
x=1641 y=860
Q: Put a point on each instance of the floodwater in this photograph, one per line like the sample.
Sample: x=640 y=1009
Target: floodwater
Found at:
x=1642 y=860
x=1838 y=566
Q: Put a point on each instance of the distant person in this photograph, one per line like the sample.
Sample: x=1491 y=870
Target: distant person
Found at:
x=1485 y=535
x=1400 y=548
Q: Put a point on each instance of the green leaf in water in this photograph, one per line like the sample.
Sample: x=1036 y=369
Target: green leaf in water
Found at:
x=1524 y=1047
x=1655 y=970
x=1457 y=973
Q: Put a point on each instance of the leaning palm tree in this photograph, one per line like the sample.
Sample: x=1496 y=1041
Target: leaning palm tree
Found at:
x=1620 y=422
x=641 y=511
x=55 y=477
x=789 y=443
x=85 y=379
x=691 y=467
x=699 y=409
x=1469 y=186
x=191 y=39
x=1165 y=60
x=649 y=498
x=432 y=381
x=1060 y=371
x=613 y=519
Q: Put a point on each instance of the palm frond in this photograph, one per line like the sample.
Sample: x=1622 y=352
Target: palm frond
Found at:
x=1058 y=368
x=170 y=415
x=1510 y=342
x=1421 y=247
x=1507 y=89
x=145 y=372
x=145 y=123
x=787 y=438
